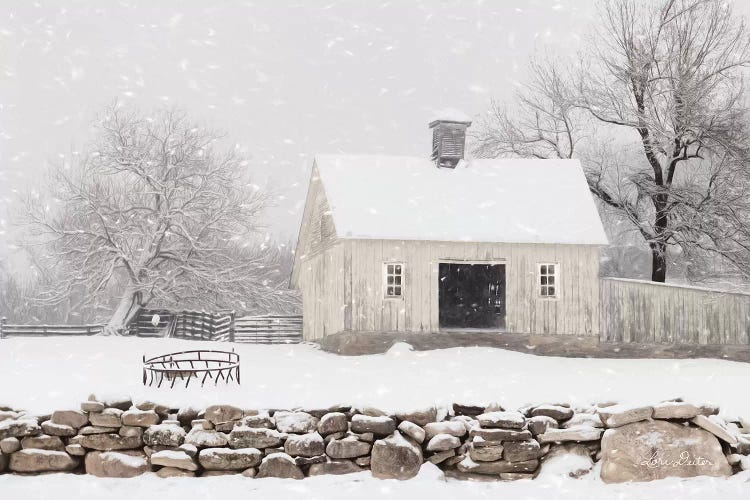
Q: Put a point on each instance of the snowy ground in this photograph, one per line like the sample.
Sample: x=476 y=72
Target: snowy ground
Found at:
x=363 y=486
x=40 y=375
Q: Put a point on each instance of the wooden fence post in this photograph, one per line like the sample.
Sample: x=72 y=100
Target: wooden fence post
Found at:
x=3 y=321
x=231 y=334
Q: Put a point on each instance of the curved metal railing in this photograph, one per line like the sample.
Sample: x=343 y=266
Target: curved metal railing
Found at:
x=189 y=365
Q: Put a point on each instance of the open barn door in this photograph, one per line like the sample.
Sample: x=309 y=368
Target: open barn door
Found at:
x=472 y=296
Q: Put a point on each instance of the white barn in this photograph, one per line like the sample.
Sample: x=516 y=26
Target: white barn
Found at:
x=391 y=243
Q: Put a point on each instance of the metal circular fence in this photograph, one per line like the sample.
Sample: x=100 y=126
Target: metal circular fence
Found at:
x=187 y=366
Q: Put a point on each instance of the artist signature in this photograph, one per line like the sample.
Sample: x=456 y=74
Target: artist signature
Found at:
x=685 y=459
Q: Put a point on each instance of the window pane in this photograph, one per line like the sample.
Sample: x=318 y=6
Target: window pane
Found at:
x=544 y=280
x=390 y=279
x=398 y=269
x=551 y=269
x=551 y=280
x=398 y=280
x=544 y=269
x=397 y=290
x=551 y=291
x=390 y=268
x=544 y=291
x=390 y=291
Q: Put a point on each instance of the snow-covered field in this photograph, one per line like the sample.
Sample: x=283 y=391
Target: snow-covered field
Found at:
x=40 y=375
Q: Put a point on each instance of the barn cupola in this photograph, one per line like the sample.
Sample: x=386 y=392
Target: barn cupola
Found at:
x=449 y=137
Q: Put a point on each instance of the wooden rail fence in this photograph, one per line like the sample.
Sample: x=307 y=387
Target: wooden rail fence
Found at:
x=192 y=325
x=12 y=330
x=269 y=329
x=634 y=311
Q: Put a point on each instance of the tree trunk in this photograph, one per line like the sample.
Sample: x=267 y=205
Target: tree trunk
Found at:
x=658 y=262
x=127 y=310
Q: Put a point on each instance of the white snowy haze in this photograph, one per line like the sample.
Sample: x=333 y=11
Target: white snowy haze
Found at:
x=284 y=80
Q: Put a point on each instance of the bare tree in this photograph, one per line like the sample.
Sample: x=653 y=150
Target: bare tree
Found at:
x=155 y=213
x=668 y=75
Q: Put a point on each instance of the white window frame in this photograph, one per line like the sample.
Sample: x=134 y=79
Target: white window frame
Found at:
x=401 y=275
x=543 y=285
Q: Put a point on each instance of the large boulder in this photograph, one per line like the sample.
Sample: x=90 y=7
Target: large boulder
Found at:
x=42 y=461
x=165 y=435
x=658 y=449
x=228 y=459
x=304 y=445
x=348 y=447
x=279 y=465
x=72 y=418
x=116 y=464
x=298 y=422
x=395 y=457
x=251 y=437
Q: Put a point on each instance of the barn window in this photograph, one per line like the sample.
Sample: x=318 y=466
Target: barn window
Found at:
x=548 y=281
x=394 y=279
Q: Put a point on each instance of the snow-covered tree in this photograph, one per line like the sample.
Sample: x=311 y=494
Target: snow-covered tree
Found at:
x=666 y=77
x=154 y=212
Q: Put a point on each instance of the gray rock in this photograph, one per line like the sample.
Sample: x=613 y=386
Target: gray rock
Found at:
x=331 y=423
x=486 y=451
x=116 y=464
x=140 y=418
x=117 y=402
x=395 y=457
x=110 y=417
x=166 y=472
x=190 y=449
x=109 y=442
x=521 y=451
x=75 y=450
x=412 y=430
x=216 y=473
x=658 y=449
x=304 y=445
x=229 y=459
x=10 y=445
x=502 y=420
x=42 y=461
x=43 y=442
x=716 y=426
x=279 y=465
x=559 y=413
x=420 y=417
x=295 y=422
x=208 y=439
x=161 y=410
x=174 y=458
x=334 y=467
x=251 y=472
x=92 y=406
x=217 y=414
x=619 y=415
x=443 y=442
x=441 y=456
x=362 y=461
x=165 y=435
x=187 y=414
x=583 y=419
x=675 y=410
x=540 y=423
x=8 y=415
x=249 y=437
x=496 y=468
x=577 y=434
x=263 y=420
x=500 y=434
x=468 y=410
x=454 y=428
x=301 y=461
x=93 y=429
x=19 y=428
x=4 y=459
x=72 y=418
x=202 y=423
x=348 y=447
x=127 y=430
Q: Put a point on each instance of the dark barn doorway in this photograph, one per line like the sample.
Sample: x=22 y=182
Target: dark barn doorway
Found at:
x=472 y=296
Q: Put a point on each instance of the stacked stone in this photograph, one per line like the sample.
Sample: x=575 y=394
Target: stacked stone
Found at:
x=114 y=438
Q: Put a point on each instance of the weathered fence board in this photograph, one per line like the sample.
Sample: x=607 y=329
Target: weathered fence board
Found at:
x=271 y=329
x=193 y=325
x=657 y=313
x=11 y=330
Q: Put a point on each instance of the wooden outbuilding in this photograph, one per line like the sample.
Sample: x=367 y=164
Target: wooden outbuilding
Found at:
x=408 y=244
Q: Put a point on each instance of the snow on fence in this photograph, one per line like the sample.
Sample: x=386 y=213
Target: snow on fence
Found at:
x=634 y=311
x=192 y=325
x=12 y=330
x=269 y=329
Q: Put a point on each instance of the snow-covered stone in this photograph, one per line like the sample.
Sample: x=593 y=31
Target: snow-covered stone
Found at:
x=304 y=445
x=93 y=429
x=583 y=419
x=521 y=451
x=395 y=457
x=559 y=413
x=217 y=414
x=250 y=437
x=412 y=430
x=92 y=406
x=348 y=447
x=501 y=434
x=10 y=445
x=618 y=415
x=72 y=418
x=116 y=464
x=140 y=418
x=229 y=459
x=75 y=450
x=261 y=420
x=496 y=468
x=716 y=426
x=454 y=428
x=128 y=430
x=569 y=459
x=331 y=423
x=485 y=451
x=19 y=428
x=165 y=435
x=295 y=422
x=502 y=420
x=443 y=442
x=575 y=434
x=675 y=410
x=420 y=417
x=279 y=465
x=540 y=424
x=43 y=442
x=202 y=438
x=109 y=417
x=167 y=472
x=380 y=426
x=110 y=442
x=174 y=458
x=334 y=467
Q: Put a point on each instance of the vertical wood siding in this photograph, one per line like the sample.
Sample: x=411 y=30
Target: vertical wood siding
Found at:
x=657 y=313
x=343 y=286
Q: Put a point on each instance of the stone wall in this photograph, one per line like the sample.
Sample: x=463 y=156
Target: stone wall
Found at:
x=119 y=439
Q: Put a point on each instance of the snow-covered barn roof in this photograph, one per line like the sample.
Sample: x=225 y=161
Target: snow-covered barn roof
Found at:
x=505 y=200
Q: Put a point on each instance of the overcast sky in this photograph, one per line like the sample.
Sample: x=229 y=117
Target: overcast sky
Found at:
x=284 y=80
